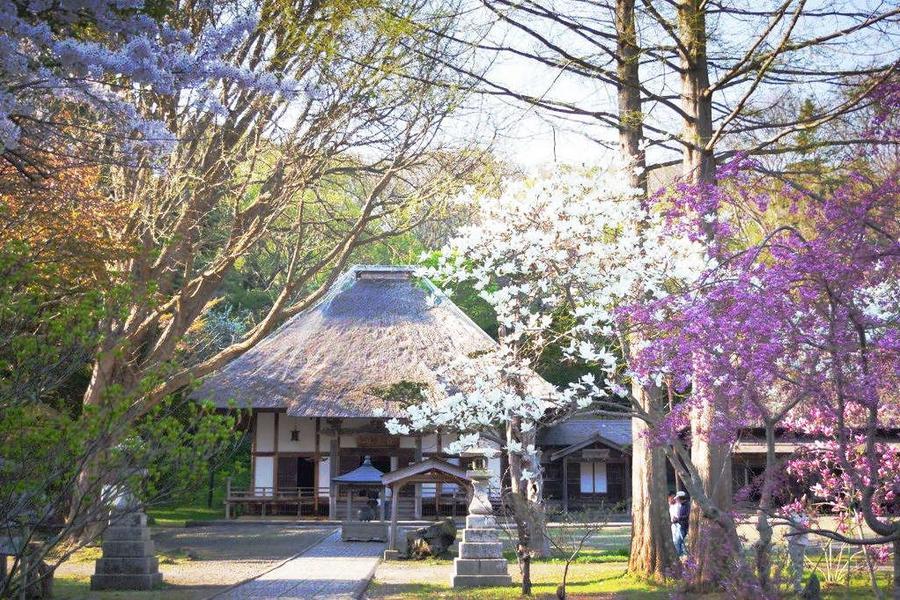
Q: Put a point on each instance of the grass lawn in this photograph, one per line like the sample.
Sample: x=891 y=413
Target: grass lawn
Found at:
x=177 y=516
x=72 y=586
x=596 y=575
x=411 y=579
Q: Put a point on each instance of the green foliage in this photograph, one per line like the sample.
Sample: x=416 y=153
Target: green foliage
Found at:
x=46 y=328
x=403 y=392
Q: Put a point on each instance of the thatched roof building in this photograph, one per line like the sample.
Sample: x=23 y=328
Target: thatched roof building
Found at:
x=370 y=343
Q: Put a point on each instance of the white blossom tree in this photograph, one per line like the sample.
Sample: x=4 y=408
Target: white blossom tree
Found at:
x=553 y=255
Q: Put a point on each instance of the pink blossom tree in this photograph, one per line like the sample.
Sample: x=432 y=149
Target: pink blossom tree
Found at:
x=798 y=325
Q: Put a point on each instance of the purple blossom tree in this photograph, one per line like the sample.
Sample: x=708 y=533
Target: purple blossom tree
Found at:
x=797 y=324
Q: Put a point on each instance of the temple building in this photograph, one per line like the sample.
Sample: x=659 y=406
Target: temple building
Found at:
x=322 y=385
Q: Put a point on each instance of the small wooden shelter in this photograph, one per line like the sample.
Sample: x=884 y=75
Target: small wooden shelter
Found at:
x=363 y=477
x=429 y=471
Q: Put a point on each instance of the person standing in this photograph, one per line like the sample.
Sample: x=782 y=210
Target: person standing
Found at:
x=684 y=515
x=674 y=513
x=798 y=540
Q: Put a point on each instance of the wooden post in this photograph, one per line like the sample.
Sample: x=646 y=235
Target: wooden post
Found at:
x=227 y=498
x=334 y=470
x=317 y=459
x=349 y=502
x=418 y=486
x=565 y=484
x=383 y=501
x=395 y=501
x=253 y=454
x=275 y=459
x=438 y=487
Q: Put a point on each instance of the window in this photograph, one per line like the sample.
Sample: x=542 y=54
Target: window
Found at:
x=593 y=478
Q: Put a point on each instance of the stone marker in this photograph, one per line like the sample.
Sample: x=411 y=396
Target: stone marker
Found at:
x=129 y=558
x=480 y=561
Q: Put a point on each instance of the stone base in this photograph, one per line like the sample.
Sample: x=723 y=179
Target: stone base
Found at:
x=133 y=581
x=391 y=555
x=144 y=565
x=480 y=549
x=464 y=581
x=129 y=561
x=480 y=566
x=481 y=522
x=364 y=531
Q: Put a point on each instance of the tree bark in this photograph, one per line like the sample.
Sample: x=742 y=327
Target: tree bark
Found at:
x=652 y=550
x=712 y=461
x=631 y=130
x=699 y=163
x=763 y=526
x=713 y=465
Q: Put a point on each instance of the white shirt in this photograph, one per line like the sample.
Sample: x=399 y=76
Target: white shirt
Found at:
x=674 y=509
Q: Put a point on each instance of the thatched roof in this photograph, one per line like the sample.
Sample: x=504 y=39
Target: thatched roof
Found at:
x=374 y=337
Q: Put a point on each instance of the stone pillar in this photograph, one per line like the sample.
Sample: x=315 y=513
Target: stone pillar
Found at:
x=129 y=558
x=480 y=561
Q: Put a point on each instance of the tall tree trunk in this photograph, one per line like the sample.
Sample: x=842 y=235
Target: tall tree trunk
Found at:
x=763 y=526
x=631 y=130
x=652 y=550
x=713 y=461
x=713 y=464
x=696 y=99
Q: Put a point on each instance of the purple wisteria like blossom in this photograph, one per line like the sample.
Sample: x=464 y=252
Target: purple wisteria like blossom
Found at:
x=798 y=323
x=102 y=56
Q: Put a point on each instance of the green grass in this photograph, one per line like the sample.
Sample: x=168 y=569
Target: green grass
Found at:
x=79 y=588
x=584 y=580
x=177 y=516
x=588 y=556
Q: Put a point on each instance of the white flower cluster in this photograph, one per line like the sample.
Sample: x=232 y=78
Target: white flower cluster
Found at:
x=553 y=256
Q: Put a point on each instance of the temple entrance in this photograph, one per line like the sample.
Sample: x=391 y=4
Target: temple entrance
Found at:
x=296 y=472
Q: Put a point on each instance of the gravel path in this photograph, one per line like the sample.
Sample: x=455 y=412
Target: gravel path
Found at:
x=331 y=569
x=210 y=559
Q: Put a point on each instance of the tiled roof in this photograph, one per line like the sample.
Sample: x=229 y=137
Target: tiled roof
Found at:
x=578 y=429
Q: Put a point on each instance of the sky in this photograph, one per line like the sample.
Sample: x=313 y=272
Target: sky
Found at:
x=530 y=138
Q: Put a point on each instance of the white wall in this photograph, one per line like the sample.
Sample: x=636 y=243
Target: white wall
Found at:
x=325 y=475
x=264 y=472
x=307 y=437
x=265 y=432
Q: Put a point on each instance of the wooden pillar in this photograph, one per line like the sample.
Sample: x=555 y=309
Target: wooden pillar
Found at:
x=438 y=487
x=565 y=484
x=227 y=498
x=395 y=501
x=334 y=470
x=349 y=490
x=253 y=454
x=275 y=459
x=317 y=460
x=418 y=488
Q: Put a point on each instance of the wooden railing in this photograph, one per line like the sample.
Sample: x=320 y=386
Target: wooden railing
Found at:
x=303 y=497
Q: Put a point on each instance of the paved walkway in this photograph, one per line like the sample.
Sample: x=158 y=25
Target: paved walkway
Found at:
x=331 y=569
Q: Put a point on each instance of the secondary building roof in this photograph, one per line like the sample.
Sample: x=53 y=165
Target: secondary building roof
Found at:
x=364 y=474
x=369 y=344
x=575 y=431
